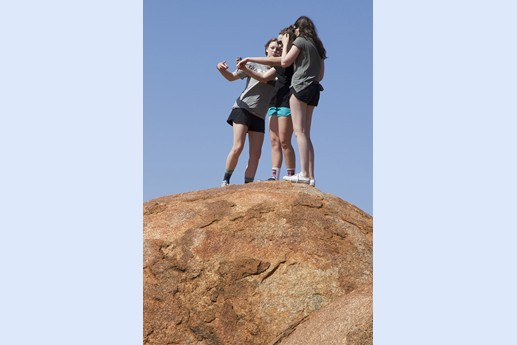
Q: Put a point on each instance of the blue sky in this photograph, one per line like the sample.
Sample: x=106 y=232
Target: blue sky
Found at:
x=187 y=101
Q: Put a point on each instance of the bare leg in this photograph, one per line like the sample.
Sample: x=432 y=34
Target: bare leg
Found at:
x=308 y=122
x=302 y=133
x=239 y=139
x=285 y=131
x=256 y=141
x=276 y=148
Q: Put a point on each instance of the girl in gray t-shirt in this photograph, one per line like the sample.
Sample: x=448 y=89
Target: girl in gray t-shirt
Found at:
x=248 y=112
x=307 y=54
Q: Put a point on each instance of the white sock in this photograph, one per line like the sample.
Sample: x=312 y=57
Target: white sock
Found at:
x=275 y=172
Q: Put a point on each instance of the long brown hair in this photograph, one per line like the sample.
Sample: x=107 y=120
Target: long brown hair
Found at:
x=308 y=29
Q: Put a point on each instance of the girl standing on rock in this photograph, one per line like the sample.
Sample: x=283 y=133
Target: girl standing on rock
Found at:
x=307 y=54
x=248 y=112
x=280 y=124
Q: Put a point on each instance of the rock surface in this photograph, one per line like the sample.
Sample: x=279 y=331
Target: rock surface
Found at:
x=261 y=263
x=347 y=320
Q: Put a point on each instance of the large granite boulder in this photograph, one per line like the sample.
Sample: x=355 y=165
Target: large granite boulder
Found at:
x=249 y=264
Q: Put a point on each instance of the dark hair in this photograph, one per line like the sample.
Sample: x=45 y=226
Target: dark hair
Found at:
x=268 y=43
x=308 y=29
x=289 y=31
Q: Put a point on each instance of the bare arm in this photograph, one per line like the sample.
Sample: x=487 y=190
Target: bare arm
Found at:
x=264 y=60
x=288 y=58
x=261 y=77
x=222 y=67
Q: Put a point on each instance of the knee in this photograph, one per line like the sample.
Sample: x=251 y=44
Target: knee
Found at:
x=301 y=133
x=286 y=144
x=236 y=150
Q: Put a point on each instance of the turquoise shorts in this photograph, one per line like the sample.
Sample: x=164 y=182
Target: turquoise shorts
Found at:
x=279 y=111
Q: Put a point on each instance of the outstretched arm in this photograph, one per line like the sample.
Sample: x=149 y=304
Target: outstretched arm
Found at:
x=265 y=60
x=261 y=77
x=222 y=67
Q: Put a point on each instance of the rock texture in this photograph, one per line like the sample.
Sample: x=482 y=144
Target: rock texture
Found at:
x=345 y=321
x=262 y=263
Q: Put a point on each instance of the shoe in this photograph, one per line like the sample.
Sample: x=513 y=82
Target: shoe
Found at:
x=271 y=179
x=225 y=183
x=312 y=182
x=297 y=178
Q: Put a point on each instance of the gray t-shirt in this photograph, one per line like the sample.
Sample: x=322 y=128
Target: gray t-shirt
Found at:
x=307 y=66
x=256 y=96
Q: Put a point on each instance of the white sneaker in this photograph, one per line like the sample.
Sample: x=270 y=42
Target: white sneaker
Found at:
x=297 y=178
x=312 y=182
x=224 y=183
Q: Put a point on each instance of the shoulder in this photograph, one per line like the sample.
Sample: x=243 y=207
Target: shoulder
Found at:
x=300 y=41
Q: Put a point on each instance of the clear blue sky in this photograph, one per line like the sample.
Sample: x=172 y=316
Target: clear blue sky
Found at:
x=187 y=101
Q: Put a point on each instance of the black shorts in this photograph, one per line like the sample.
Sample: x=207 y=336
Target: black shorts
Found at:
x=244 y=117
x=309 y=95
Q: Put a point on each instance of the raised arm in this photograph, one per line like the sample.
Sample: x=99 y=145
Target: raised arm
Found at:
x=288 y=58
x=222 y=67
